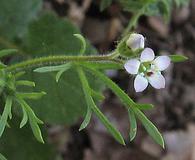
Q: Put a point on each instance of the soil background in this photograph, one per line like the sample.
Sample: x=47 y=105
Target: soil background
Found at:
x=174 y=111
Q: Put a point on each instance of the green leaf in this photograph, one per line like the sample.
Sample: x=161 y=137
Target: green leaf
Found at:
x=86 y=89
x=19 y=74
x=25 y=83
x=14 y=19
x=67 y=93
x=32 y=95
x=20 y=144
x=87 y=118
x=133 y=124
x=125 y=99
x=33 y=120
x=97 y=95
x=144 y=106
x=6 y=113
x=7 y=52
x=178 y=58
x=50 y=68
x=2 y=157
x=104 y=4
x=66 y=67
x=150 y=127
x=25 y=117
x=39 y=39
x=83 y=43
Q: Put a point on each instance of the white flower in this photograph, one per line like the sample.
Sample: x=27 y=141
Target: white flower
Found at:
x=148 y=70
x=135 y=41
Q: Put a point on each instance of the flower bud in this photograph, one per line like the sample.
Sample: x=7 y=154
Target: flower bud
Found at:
x=135 y=41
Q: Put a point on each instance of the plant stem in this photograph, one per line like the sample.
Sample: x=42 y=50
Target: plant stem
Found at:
x=56 y=60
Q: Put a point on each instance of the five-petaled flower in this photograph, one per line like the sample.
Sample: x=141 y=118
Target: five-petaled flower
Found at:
x=147 y=69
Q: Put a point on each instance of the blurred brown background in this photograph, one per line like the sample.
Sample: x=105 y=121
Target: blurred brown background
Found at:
x=174 y=111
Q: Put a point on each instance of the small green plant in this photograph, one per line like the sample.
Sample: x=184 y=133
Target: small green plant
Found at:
x=147 y=69
x=61 y=65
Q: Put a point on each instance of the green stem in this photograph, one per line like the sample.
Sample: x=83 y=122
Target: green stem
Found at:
x=56 y=60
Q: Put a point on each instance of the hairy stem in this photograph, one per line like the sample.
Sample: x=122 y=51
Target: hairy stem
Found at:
x=56 y=60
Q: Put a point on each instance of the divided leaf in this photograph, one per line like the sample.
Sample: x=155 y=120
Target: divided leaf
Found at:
x=86 y=89
x=6 y=113
x=125 y=99
x=33 y=120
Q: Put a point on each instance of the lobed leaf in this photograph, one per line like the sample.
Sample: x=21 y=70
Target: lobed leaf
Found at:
x=86 y=89
x=33 y=120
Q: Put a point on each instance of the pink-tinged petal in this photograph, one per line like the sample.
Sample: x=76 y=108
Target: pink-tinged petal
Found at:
x=132 y=66
x=140 y=83
x=157 y=80
x=135 y=41
x=162 y=62
x=147 y=55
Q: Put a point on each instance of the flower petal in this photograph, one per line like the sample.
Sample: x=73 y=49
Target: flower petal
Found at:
x=132 y=66
x=162 y=62
x=135 y=41
x=147 y=55
x=157 y=80
x=140 y=83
